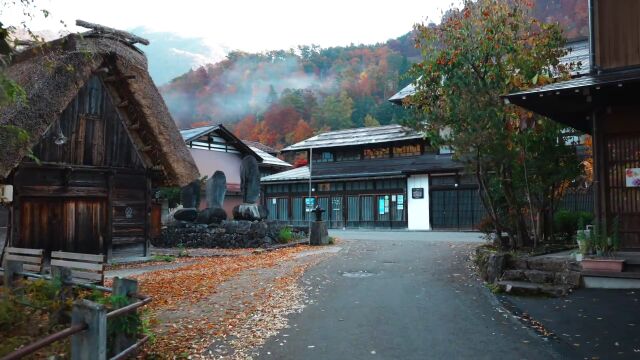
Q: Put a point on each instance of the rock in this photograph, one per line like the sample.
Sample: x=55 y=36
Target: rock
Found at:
x=569 y=278
x=259 y=229
x=540 y=277
x=249 y=180
x=251 y=212
x=216 y=189
x=211 y=216
x=495 y=267
x=190 y=195
x=513 y=275
x=319 y=233
x=237 y=227
x=186 y=214
x=547 y=264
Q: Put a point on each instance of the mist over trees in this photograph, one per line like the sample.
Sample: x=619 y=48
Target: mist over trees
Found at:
x=283 y=96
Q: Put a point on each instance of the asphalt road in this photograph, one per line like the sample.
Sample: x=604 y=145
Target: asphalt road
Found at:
x=401 y=299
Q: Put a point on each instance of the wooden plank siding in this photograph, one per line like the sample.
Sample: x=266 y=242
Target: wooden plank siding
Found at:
x=617 y=33
x=76 y=198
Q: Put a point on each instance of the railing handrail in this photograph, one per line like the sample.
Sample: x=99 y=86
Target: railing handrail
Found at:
x=76 y=328
x=39 y=344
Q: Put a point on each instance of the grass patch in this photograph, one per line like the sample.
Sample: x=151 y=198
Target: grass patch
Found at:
x=166 y=258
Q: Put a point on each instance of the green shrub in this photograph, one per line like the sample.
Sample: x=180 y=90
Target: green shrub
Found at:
x=566 y=223
x=285 y=234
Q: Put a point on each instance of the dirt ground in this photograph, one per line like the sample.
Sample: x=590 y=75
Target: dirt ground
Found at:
x=224 y=307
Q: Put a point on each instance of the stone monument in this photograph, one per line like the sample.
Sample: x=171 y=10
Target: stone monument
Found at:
x=250 y=188
x=189 y=197
x=215 y=192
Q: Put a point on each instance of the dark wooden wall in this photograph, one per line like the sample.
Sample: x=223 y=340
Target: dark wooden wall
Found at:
x=89 y=195
x=617 y=33
x=95 y=132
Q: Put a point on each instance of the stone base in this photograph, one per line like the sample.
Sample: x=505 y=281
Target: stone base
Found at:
x=187 y=214
x=228 y=234
x=211 y=216
x=319 y=233
x=250 y=212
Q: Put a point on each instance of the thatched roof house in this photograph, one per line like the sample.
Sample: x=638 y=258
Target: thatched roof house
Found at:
x=103 y=139
x=53 y=74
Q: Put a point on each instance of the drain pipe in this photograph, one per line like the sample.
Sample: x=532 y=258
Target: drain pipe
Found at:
x=305 y=205
x=592 y=41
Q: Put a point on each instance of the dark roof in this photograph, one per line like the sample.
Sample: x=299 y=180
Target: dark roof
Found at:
x=572 y=101
x=51 y=75
x=359 y=136
x=194 y=133
x=577 y=54
x=301 y=173
x=269 y=160
x=426 y=163
x=263 y=147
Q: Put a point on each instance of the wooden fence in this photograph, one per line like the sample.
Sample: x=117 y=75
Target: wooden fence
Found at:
x=88 y=329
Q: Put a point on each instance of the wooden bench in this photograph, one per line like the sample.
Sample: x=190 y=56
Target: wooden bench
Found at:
x=85 y=268
x=32 y=259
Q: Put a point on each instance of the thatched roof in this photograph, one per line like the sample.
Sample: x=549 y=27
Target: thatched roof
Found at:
x=52 y=75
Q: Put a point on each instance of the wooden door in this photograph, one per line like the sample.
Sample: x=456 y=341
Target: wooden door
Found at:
x=623 y=202
x=66 y=224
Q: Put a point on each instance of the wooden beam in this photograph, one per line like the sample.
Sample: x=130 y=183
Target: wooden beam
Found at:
x=107 y=30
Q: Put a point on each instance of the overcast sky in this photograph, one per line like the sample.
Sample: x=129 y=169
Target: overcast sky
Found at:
x=249 y=25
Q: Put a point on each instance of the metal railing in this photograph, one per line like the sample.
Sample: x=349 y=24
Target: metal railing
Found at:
x=91 y=335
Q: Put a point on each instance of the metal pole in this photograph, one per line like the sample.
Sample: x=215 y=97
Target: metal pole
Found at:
x=310 y=170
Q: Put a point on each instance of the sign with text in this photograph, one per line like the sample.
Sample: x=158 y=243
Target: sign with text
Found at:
x=417 y=193
x=309 y=203
x=633 y=177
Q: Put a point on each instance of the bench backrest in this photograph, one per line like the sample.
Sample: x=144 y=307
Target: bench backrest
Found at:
x=31 y=259
x=85 y=268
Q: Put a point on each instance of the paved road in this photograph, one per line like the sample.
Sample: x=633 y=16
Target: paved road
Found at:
x=401 y=299
x=407 y=235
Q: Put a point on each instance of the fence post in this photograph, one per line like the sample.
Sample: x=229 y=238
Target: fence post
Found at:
x=64 y=275
x=125 y=288
x=11 y=267
x=90 y=344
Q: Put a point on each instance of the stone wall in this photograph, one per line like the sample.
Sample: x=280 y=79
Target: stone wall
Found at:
x=228 y=234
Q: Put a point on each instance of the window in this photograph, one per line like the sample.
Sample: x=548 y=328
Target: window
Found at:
x=359 y=185
x=390 y=184
x=324 y=156
x=406 y=150
x=350 y=154
x=377 y=153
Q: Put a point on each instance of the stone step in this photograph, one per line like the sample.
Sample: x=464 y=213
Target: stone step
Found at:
x=527 y=288
x=570 y=278
x=545 y=264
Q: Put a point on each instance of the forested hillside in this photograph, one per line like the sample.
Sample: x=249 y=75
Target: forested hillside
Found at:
x=281 y=97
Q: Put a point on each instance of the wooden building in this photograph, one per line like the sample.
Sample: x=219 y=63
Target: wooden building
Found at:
x=215 y=148
x=100 y=138
x=604 y=103
x=381 y=177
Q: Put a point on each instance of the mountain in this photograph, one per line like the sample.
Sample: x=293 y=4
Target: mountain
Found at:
x=280 y=97
x=171 y=55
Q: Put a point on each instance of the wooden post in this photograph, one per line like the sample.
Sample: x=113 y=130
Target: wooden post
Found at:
x=124 y=287
x=64 y=274
x=90 y=344
x=11 y=267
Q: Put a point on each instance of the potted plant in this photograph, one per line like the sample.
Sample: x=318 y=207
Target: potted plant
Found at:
x=604 y=246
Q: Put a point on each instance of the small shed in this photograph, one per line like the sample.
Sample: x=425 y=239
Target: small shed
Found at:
x=99 y=140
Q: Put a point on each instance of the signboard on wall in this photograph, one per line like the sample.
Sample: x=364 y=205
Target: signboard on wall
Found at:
x=417 y=193
x=632 y=177
x=381 y=206
x=309 y=203
x=400 y=203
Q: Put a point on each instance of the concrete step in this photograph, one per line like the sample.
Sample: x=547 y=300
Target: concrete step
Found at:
x=527 y=288
x=547 y=264
x=611 y=280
